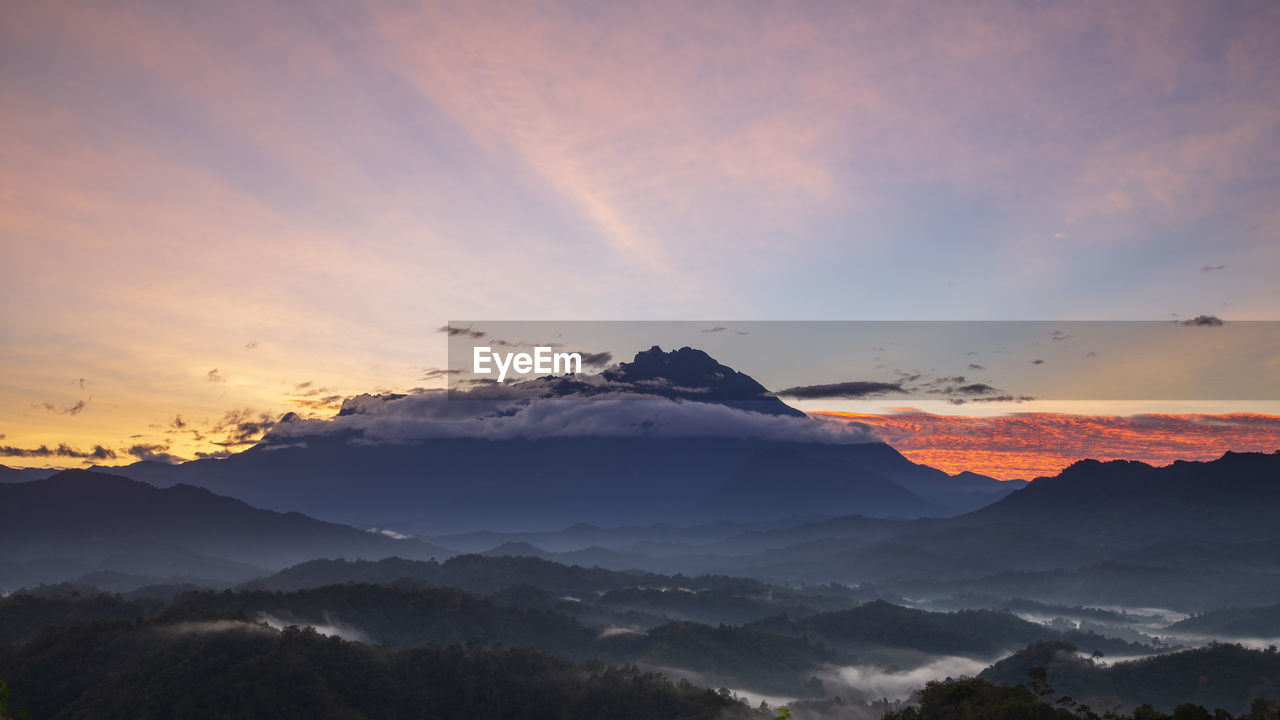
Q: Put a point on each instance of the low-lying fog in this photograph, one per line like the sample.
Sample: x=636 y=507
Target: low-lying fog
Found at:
x=871 y=682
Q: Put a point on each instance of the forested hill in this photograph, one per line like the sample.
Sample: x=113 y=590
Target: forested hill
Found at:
x=214 y=666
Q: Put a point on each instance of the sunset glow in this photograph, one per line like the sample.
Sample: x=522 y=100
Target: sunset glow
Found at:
x=1029 y=445
x=211 y=209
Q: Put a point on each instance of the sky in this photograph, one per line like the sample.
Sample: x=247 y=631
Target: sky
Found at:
x=214 y=213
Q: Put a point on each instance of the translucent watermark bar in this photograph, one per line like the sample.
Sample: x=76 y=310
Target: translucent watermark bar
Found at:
x=959 y=362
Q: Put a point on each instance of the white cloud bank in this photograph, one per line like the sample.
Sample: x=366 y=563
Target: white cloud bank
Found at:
x=873 y=683
x=437 y=414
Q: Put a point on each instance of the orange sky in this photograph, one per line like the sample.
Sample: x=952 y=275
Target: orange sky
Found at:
x=214 y=213
x=1029 y=445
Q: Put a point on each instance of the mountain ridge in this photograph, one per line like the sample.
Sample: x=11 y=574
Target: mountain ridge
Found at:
x=117 y=523
x=694 y=423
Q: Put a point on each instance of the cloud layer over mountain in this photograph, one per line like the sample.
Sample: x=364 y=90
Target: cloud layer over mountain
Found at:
x=527 y=413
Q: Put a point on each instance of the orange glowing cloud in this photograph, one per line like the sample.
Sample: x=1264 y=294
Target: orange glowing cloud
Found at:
x=1029 y=445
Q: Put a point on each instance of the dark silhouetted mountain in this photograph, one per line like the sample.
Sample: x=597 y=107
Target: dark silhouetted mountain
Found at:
x=587 y=557
x=692 y=374
x=1231 y=499
x=206 y=665
x=791 y=483
x=704 y=598
x=974 y=633
x=24 y=615
x=1218 y=676
x=1247 y=556
x=850 y=527
x=1250 y=622
x=725 y=653
x=406 y=616
x=962 y=492
x=1132 y=586
x=1090 y=515
x=8 y=474
x=1137 y=540
x=112 y=522
x=686 y=374
x=473 y=573
x=658 y=536
x=450 y=479
x=746 y=602
x=515 y=485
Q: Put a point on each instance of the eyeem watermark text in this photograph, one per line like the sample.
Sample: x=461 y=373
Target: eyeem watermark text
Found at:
x=542 y=362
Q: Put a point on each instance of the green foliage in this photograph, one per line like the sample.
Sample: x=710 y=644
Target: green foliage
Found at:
x=977 y=699
x=4 y=701
x=227 y=668
x=206 y=654
x=1234 y=622
x=980 y=699
x=1216 y=676
x=23 y=615
x=765 y=662
x=404 y=617
x=980 y=633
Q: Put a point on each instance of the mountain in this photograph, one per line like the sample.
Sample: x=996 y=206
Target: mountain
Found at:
x=1231 y=499
x=8 y=474
x=1190 y=536
x=1250 y=622
x=791 y=483
x=1217 y=676
x=473 y=573
x=974 y=633
x=645 y=442
x=101 y=521
x=957 y=493
x=1180 y=523
x=694 y=375
x=207 y=665
x=657 y=536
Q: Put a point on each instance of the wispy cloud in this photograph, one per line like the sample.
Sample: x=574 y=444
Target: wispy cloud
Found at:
x=242 y=427
x=152 y=452
x=850 y=389
x=1202 y=321
x=60 y=451
x=957 y=389
x=74 y=409
x=454 y=331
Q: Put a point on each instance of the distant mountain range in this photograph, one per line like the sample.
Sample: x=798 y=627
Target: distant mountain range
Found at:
x=1217 y=676
x=672 y=437
x=1215 y=515
x=79 y=521
x=8 y=474
x=1231 y=499
x=1212 y=541
x=656 y=466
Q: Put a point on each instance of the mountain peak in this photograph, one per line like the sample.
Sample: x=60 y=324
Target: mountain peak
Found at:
x=688 y=364
x=692 y=374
